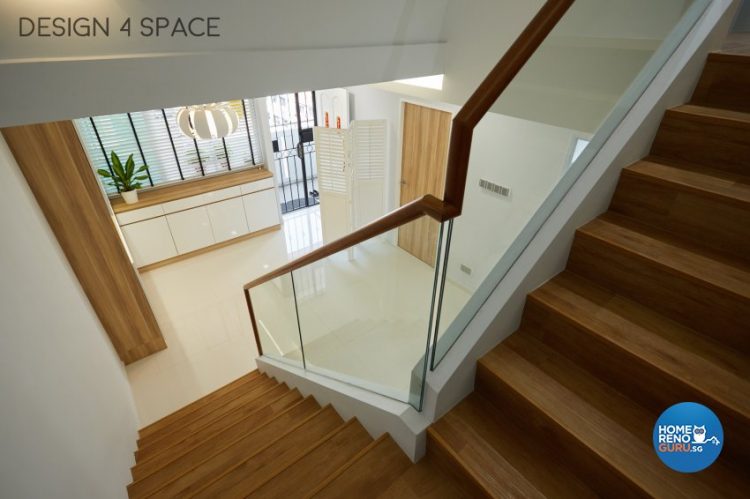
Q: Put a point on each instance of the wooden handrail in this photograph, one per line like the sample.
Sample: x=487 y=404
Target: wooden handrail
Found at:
x=460 y=146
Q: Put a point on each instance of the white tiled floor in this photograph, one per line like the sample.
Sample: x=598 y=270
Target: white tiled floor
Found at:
x=201 y=309
x=364 y=317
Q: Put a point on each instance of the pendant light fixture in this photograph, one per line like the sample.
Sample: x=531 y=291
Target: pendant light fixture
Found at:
x=207 y=121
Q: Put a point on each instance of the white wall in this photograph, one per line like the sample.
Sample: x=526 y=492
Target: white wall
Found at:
x=68 y=424
x=525 y=156
x=265 y=48
x=371 y=102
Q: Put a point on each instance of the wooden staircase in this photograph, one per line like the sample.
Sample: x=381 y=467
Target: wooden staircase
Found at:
x=653 y=309
x=256 y=437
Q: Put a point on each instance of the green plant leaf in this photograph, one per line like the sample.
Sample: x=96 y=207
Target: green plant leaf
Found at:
x=129 y=167
x=142 y=169
x=136 y=185
x=117 y=168
x=104 y=173
x=142 y=177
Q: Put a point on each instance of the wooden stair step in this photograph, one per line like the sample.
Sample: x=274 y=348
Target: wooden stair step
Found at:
x=213 y=456
x=236 y=474
x=704 y=208
x=315 y=464
x=228 y=428
x=711 y=136
x=368 y=474
x=498 y=457
x=724 y=82
x=651 y=359
x=250 y=398
x=601 y=433
x=710 y=296
x=201 y=402
x=425 y=480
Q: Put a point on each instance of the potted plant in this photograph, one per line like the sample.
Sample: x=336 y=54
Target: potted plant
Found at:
x=125 y=177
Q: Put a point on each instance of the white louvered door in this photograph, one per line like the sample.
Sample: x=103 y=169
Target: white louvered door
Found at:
x=368 y=158
x=334 y=181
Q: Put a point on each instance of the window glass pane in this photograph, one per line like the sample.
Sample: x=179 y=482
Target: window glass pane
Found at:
x=185 y=146
x=93 y=149
x=157 y=147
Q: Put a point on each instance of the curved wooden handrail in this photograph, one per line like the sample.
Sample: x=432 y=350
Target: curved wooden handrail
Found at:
x=462 y=130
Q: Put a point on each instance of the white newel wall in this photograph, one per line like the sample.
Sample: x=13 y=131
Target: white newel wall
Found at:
x=68 y=424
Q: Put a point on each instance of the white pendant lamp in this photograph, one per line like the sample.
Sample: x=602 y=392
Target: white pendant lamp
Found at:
x=207 y=121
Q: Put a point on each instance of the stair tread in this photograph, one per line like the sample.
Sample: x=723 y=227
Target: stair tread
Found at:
x=691 y=264
x=607 y=423
x=242 y=475
x=424 y=480
x=316 y=463
x=373 y=470
x=707 y=113
x=733 y=57
x=237 y=424
x=716 y=183
x=705 y=364
x=707 y=169
x=214 y=455
x=206 y=399
x=497 y=455
x=254 y=388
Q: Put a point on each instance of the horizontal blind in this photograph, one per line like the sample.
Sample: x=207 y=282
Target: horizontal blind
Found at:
x=94 y=151
x=185 y=147
x=154 y=138
x=157 y=147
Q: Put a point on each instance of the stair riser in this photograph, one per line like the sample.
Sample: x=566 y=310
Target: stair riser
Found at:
x=447 y=462
x=233 y=426
x=699 y=305
x=724 y=84
x=631 y=375
x=722 y=144
x=713 y=222
x=208 y=417
x=600 y=476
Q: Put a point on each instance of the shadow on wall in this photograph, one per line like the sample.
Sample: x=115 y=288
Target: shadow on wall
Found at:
x=742 y=21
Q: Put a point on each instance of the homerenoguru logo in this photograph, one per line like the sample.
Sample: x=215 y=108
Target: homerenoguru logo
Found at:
x=688 y=437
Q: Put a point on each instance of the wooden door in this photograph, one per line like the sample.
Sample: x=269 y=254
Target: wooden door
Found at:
x=424 y=153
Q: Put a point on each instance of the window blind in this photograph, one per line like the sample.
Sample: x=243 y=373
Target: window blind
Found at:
x=154 y=139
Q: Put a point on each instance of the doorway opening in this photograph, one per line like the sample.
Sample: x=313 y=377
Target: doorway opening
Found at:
x=291 y=118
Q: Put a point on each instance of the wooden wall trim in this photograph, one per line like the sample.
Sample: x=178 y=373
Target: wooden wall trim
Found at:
x=57 y=170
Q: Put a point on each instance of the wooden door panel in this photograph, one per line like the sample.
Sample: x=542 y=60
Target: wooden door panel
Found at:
x=424 y=154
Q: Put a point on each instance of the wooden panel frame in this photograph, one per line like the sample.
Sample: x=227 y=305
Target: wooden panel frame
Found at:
x=58 y=172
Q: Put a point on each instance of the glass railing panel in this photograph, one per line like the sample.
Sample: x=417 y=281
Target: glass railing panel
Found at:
x=365 y=312
x=275 y=313
x=543 y=132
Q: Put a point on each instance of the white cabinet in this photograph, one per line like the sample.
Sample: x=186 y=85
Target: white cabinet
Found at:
x=132 y=216
x=191 y=229
x=149 y=241
x=227 y=219
x=159 y=232
x=261 y=209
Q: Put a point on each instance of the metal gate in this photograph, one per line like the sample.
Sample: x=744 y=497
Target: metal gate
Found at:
x=291 y=118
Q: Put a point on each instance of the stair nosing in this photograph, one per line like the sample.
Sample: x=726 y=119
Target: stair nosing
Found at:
x=692 y=112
